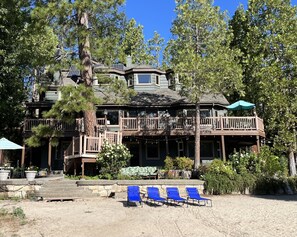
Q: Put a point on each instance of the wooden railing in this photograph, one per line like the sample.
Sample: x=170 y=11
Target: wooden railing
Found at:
x=159 y=123
x=85 y=145
x=59 y=125
x=214 y=123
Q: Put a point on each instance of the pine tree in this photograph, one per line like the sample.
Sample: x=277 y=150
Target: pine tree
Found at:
x=200 y=55
x=268 y=41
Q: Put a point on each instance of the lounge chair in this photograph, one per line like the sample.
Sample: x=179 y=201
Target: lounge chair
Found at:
x=173 y=195
x=133 y=195
x=153 y=195
x=193 y=194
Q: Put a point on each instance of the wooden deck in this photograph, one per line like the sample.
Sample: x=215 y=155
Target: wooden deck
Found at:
x=170 y=126
x=174 y=126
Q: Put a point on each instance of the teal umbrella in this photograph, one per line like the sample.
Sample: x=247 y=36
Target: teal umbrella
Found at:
x=241 y=105
x=5 y=144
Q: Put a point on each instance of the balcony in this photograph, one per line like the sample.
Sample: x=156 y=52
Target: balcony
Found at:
x=186 y=126
x=233 y=126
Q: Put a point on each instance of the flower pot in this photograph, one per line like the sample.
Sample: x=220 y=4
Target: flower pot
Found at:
x=30 y=174
x=4 y=174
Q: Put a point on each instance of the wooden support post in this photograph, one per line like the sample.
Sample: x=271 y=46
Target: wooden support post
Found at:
x=23 y=156
x=258 y=144
x=49 y=160
x=82 y=167
x=167 y=147
x=223 y=148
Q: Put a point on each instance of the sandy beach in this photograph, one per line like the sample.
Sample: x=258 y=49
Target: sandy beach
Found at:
x=231 y=215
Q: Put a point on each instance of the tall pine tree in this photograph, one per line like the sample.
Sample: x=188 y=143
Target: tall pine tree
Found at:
x=200 y=55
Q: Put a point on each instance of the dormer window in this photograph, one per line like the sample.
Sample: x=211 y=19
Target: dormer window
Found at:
x=144 y=79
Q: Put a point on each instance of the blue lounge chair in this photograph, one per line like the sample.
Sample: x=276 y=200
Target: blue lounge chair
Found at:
x=153 y=195
x=173 y=195
x=133 y=195
x=194 y=195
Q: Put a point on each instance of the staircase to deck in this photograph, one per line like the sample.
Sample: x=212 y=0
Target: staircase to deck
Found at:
x=62 y=190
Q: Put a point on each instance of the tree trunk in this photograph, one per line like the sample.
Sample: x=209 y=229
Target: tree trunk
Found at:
x=292 y=163
x=197 y=136
x=86 y=71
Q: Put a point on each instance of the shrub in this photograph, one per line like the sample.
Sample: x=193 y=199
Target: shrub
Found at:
x=184 y=163
x=272 y=165
x=270 y=185
x=169 y=165
x=112 y=158
x=292 y=181
x=243 y=162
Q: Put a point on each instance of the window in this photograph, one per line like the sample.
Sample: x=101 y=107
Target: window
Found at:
x=144 y=78
x=206 y=149
x=130 y=80
x=152 y=151
x=157 y=80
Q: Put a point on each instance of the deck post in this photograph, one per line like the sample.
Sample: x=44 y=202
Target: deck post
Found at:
x=257 y=122
x=258 y=144
x=49 y=160
x=23 y=156
x=82 y=167
x=85 y=145
x=223 y=147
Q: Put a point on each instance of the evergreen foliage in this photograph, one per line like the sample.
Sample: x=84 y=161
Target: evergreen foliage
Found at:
x=266 y=35
x=200 y=55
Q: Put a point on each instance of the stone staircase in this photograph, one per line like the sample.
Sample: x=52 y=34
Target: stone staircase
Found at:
x=62 y=190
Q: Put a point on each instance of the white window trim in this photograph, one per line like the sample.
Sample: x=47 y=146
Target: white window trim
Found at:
x=137 y=79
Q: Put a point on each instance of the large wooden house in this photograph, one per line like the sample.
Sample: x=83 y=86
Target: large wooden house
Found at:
x=156 y=122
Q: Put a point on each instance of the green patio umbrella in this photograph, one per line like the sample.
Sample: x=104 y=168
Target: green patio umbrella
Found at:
x=241 y=105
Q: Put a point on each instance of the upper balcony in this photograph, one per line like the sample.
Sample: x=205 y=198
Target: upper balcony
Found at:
x=157 y=126
x=234 y=126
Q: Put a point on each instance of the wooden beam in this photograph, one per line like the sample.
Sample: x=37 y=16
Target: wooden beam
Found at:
x=223 y=148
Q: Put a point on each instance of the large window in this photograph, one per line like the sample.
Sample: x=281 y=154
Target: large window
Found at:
x=144 y=78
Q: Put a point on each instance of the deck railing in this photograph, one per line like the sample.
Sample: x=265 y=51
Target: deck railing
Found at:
x=159 y=123
x=85 y=145
x=214 y=123
x=59 y=125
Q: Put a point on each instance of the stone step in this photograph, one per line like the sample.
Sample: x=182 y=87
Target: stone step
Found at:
x=62 y=190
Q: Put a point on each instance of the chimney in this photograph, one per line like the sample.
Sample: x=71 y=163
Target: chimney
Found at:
x=129 y=61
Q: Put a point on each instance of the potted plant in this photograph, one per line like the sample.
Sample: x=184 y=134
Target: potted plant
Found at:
x=5 y=172
x=31 y=173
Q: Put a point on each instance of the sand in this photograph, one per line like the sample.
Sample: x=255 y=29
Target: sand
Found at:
x=231 y=215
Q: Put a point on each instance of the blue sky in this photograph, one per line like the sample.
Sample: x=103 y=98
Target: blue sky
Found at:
x=157 y=15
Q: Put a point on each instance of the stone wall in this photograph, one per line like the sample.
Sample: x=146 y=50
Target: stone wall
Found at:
x=109 y=188
x=19 y=188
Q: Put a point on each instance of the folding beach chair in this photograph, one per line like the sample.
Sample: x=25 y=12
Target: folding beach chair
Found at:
x=133 y=195
x=153 y=195
x=173 y=195
x=193 y=194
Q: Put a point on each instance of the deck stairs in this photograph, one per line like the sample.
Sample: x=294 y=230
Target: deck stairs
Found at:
x=62 y=190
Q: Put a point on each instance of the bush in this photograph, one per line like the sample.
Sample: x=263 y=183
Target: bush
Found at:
x=183 y=163
x=112 y=158
x=292 y=181
x=220 y=178
x=270 y=185
x=272 y=165
x=178 y=163
x=169 y=165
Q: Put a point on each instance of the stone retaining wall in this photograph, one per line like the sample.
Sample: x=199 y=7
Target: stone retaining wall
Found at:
x=19 y=188
x=108 y=188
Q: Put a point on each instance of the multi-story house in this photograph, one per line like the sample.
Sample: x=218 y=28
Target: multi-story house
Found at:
x=156 y=122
